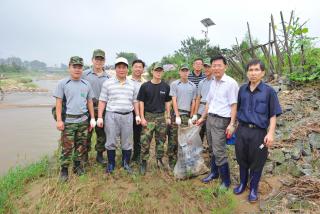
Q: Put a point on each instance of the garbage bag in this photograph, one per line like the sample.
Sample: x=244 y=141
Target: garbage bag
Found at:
x=190 y=162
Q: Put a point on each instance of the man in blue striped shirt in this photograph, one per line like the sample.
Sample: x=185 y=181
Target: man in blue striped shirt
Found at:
x=196 y=75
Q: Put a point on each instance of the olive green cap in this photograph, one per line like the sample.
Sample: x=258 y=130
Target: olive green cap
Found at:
x=98 y=52
x=76 y=60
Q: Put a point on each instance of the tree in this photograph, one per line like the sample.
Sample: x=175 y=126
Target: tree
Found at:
x=129 y=56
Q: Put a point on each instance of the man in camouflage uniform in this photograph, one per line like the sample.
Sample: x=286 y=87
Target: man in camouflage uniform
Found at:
x=154 y=100
x=183 y=93
x=77 y=95
x=96 y=77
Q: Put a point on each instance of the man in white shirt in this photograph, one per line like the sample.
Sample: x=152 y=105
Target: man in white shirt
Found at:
x=221 y=109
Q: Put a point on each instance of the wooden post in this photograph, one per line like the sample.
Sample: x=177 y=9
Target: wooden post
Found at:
x=286 y=42
x=278 y=53
x=240 y=55
x=251 y=43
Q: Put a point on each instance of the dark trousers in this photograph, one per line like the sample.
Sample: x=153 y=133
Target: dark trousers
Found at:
x=136 y=138
x=248 y=153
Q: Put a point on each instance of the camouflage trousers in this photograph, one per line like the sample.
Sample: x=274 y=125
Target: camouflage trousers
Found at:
x=101 y=136
x=74 y=142
x=157 y=126
x=173 y=137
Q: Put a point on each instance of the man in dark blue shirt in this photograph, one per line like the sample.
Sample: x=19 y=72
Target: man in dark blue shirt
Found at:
x=258 y=107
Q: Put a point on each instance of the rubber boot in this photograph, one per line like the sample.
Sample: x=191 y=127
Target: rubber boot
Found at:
x=160 y=164
x=143 y=167
x=126 y=155
x=254 y=183
x=214 y=174
x=64 y=174
x=100 y=159
x=111 y=161
x=78 y=168
x=243 y=181
x=225 y=175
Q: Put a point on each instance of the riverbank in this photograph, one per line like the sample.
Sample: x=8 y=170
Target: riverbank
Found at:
x=290 y=183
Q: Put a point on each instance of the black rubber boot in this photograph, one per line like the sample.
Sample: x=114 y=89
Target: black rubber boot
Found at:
x=64 y=174
x=78 y=168
x=126 y=155
x=100 y=159
x=111 y=161
x=143 y=167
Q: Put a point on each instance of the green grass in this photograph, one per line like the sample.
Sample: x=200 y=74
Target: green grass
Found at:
x=12 y=184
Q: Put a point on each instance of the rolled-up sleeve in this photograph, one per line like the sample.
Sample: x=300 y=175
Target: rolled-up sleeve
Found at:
x=274 y=105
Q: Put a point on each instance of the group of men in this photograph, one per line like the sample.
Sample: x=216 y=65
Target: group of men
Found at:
x=133 y=109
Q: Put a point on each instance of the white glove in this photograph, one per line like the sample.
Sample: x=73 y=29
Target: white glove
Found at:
x=178 y=121
x=190 y=123
x=93 y=123
x=100 y=122
x=194 y=118
x=138 y=119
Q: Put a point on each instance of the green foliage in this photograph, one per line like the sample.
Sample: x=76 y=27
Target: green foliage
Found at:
x=129 y=56
x=12 y=184
x=305 y=76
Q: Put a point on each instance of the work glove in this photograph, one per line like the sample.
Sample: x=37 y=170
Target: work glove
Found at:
x=194 y=118
x=100 y=122
x=178 y=121
x=190 y=122
x=93 y=123
x=138 y=119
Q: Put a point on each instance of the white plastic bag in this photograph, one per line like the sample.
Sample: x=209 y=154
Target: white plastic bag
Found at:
x=190 y=161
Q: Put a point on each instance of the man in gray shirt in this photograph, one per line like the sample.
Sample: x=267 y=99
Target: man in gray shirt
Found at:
x=76 y=94
x=118 y=97
x=183 y=93
x=96 y=77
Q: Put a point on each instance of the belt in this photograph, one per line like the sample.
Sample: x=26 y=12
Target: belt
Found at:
x=76 y=115
x=123 y=113
x=154 y=112
x=249 y=125
x=218 y=116
x=203 y=103
x=184 y=111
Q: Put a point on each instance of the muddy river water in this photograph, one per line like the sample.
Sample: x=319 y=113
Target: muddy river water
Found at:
x=27 y=129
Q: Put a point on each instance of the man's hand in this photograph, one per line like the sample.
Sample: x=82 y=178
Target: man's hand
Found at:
x=194 y=118
x=138 y=119
x=144 y=122
x=100 y=122
x=229 y=131
x=268 y=140
x=93 y=123
x=168 y=121
x=200 y=121
x=60 y=125
x=178 y=121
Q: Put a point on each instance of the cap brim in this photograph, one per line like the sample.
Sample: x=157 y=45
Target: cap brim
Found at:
x=158 y=67
x=99 y=56
x=121 y=63
x=76 y=64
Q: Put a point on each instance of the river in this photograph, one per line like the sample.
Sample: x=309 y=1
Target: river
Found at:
x=27 y=129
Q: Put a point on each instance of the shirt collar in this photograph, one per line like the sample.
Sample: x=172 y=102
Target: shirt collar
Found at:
x=259 y=87
x=104 y=74
x=223 y=78
x=201 y=74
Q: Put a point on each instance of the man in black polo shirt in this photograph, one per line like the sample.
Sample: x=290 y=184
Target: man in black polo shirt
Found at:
x=258 y=107
x=154 y=100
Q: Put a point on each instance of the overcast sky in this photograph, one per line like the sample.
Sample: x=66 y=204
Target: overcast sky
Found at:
x=54 y=30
